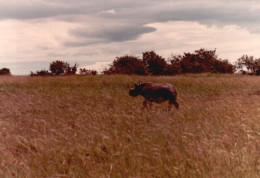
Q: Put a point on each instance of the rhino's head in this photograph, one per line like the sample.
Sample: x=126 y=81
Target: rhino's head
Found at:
x=136 y=90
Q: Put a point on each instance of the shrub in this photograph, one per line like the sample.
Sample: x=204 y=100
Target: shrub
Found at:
x=198 y=62
x=126 y=65
x=83 y=71
x=252 y=65
x=62 y=68
x=155 y=64
x=175 y=64
x=58 y=67
x=201 y=61
x=5 y=71
x=71 y=70
x=222 y=66
x=41 y=73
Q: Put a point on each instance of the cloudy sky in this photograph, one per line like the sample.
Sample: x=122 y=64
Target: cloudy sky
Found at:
x=92 y=33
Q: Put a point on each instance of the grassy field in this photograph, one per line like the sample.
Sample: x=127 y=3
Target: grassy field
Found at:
x=88 y=126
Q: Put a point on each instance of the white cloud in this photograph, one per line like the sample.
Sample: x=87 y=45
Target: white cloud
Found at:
x=79 y=30
x=98 y=66
x=32 y=41
x=231 y=41
x=111 y=11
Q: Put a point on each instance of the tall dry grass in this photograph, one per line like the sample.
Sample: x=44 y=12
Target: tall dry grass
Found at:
x=90 y=127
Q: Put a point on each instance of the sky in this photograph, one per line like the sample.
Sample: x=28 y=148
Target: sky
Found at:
x=33 y=33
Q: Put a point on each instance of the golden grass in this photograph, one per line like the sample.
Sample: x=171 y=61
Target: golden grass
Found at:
x=90 y=127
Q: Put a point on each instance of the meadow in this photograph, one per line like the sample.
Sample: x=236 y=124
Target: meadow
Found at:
x=89 y=126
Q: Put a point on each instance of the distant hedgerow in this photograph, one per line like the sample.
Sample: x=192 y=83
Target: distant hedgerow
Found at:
x=41 y=73
x=57 y=68
x=201 y=61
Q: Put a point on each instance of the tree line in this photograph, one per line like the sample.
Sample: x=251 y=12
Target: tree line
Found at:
x=59 y=67
x=200 y=61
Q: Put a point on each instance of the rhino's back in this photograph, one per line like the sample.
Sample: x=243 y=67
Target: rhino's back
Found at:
x=158 y=89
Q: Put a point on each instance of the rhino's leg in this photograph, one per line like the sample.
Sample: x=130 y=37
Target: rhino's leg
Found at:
x=145 y=102
x=173 y=102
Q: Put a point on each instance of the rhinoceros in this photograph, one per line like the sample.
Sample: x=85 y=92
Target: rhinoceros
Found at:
x=155 y=92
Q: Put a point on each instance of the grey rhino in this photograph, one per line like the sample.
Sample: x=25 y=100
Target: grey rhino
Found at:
x=155 y=92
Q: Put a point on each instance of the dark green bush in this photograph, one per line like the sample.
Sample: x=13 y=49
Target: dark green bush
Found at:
x=5 y=71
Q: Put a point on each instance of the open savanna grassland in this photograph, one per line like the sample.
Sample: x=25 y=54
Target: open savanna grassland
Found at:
x=89 y=126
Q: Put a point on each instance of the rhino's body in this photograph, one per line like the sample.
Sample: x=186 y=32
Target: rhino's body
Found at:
x=155 y=92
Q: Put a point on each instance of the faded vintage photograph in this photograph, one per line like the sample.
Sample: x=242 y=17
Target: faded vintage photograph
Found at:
x=140 y=88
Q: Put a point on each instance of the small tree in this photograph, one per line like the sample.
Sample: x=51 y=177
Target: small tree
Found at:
x=83 y=71
x=41 y=73
x=222 y=66
x=198 y=62
x=175 y=64
x=71 y=70
x=62 y=68
x=252 y=65
x=126 y=65
x=155 y=64
x=5 y=71
x=202 y=61
x=58 y=67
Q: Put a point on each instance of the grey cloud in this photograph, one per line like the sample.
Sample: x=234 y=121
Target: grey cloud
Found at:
x=37 y=11
x=54 y=8
x=79 y=43
x=143 y=11
x=240 y=12
x=43 y=9
x=138 y=14
x=113 y=34
x=129 y=21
